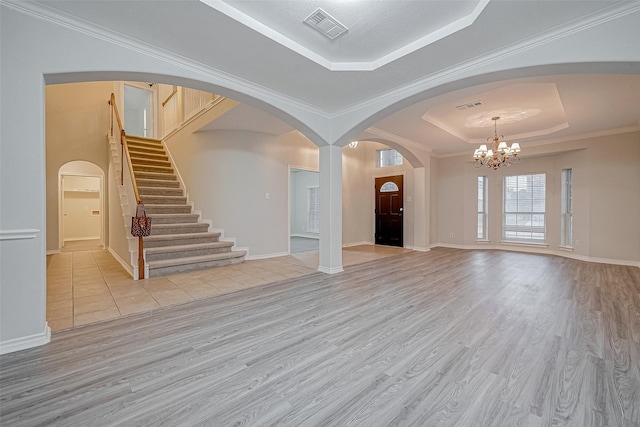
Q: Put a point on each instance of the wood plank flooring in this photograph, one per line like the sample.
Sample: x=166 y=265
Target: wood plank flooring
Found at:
x=448 y=337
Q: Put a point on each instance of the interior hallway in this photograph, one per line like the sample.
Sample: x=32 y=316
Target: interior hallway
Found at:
x=85 y=284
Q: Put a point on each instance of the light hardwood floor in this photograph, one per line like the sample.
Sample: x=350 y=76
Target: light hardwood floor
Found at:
x=448 y=337
x=87 y=285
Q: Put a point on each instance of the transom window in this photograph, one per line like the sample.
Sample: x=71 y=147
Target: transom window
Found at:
x=389 y=187
x=389 y=157
x=524 y=208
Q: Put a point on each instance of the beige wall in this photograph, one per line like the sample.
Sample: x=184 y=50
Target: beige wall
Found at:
x=82 y=207
x=606 y=196
x=77 y=122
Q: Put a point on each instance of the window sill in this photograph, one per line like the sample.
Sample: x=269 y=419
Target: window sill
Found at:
x=566 y=248
x=529 y=244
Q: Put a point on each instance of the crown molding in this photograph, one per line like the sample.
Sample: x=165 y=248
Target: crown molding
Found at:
x=571 y=138
x=223 y=79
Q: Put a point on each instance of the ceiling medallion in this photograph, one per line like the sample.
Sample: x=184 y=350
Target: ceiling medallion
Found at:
x=501 y=155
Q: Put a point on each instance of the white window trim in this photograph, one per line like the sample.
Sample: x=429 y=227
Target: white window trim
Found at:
x=532 y=243
x=566 y=213
x=485 y=213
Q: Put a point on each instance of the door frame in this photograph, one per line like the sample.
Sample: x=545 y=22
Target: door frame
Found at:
x=61 y=205
x=373 y=223
x=290 y=169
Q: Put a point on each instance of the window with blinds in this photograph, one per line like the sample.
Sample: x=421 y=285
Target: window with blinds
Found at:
x=313 y=210
x=482 y=208
x=524 y=208
x=566 y=226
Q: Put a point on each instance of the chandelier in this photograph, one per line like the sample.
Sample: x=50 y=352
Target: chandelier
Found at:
x=500 y=155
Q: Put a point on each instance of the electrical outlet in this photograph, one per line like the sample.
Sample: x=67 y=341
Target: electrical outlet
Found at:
x=451 y=235
x=577 y=243
x=267 y=196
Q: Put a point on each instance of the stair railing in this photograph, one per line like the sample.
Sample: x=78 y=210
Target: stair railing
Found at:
x=125 y=154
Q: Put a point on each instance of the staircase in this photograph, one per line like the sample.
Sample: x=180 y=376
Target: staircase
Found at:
x=178 y=242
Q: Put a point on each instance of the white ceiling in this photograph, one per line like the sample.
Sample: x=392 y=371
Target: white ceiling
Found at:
x=389 y=44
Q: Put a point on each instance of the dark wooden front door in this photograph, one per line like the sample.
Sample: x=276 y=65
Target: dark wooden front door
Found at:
x=389 y=210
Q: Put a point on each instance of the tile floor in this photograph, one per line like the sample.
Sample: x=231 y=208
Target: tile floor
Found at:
x=88 y=286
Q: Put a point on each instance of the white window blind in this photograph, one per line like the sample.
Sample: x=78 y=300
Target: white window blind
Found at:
x=524 y=211
x=566 y=227
x=482 y=208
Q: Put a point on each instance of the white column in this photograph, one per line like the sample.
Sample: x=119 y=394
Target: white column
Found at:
x=421 y=210
x=330 y=209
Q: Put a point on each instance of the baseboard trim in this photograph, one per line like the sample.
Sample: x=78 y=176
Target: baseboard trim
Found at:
x=24 y=343
x=265 y=256
x=124 y=265
x=543 y=251
x=53 y=251
x=80 y=239
x=307 y=236
x=348 y=245
x=418 y=248
x=332 y=270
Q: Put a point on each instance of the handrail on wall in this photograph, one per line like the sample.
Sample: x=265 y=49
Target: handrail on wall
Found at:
x=125 y=153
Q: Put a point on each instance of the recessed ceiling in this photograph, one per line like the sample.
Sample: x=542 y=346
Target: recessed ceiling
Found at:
x=525 y=110
x=378 y=32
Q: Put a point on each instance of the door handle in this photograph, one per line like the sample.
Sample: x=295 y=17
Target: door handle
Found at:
x=401 y=209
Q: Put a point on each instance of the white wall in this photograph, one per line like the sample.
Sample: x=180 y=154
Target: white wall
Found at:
x=228 y=175
x=82 y=207
x=606 y=198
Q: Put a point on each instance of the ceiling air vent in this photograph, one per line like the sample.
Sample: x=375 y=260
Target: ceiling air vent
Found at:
x=469 y=105
x=325 y=23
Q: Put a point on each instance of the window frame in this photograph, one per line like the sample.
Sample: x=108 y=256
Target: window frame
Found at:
x=566 y=208
x=520 y=215
x=398 y=159
x=313 y=216
x=482 y=231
